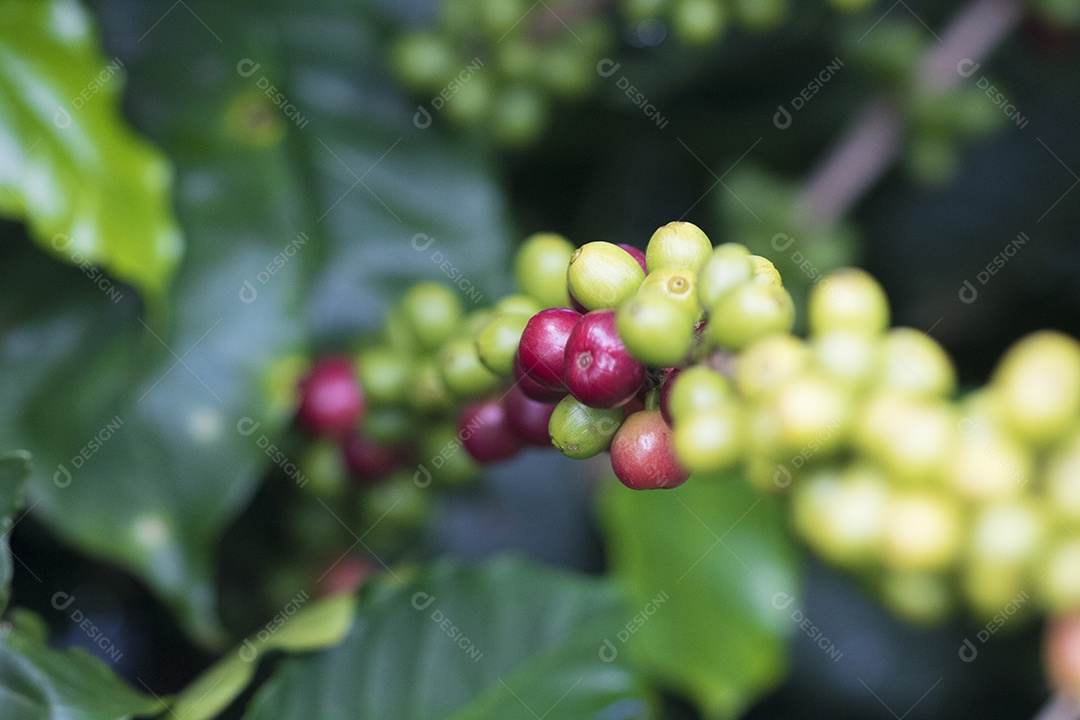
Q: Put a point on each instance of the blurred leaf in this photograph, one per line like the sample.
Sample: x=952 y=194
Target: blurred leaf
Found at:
x=700 y=565
x=505 y=640
x=14 y=472
x=89 y=188
x=317 y=626
x=39 y=683
x=139 y=436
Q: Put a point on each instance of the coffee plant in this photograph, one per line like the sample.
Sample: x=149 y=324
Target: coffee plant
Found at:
x=572 y=359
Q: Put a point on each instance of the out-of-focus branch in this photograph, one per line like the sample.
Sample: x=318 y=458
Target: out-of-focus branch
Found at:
x=871 y=146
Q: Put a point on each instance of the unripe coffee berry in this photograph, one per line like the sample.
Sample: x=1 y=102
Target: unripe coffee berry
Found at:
x=385 y=374
x=602 y=275
x=1037 y=383
x=497 y=343
x=677 y=245
x=462 y=372
x=749 y=312
x=643 y=456
x=580 y=431
x=431 y=313
x=912 y=361
x=696 y=390
x=710 y=440
x=764 y=272
x=848 y=299
x=655 y=329
x=540 y=268
x=598 y=369
x=679 y=284
x=727 y=267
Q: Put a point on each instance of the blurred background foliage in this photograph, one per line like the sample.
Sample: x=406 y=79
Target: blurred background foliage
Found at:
x=242 y=185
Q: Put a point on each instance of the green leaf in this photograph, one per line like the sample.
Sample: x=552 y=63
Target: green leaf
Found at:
x=39 y=683
x=138 y=435
x=14 y=473
x=88 y=187
x=316 y=626
x=700 y=565
x=505 y=640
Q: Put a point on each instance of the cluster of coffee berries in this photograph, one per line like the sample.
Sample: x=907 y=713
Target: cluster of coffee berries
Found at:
x=498 y=65
x=681 y=359
x=699 y=22
x=606 y=348
x=931 y=498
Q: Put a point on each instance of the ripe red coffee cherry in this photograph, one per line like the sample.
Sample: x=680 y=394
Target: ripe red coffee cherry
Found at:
x=1061 y=654
x=543 y=345
x=598 y=370
x=637 y=255
x=642 y=454
x=485 y=434
x=527 y=418
x=331 y=401
x=665 y=394
x=368 y=461
x=533 y=389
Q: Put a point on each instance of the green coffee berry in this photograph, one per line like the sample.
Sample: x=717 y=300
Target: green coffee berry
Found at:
x=385 y=374
x=655 y=329
x=728 y=266
x=602 y=275
x=497 y=343
x=768 y=363
x=848 y=299
x=710 y=440
x=462 y=372
x=540 y=269
x=912 y=361
x=677 y=245
x=579 y=431
x=749 y=312
x=698 y=390
x=679 y=284
x=1037 y=383
x=431 y=313
x=764 y=271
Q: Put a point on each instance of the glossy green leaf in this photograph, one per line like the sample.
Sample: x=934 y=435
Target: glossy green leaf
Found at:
x=91 y=191
x=701 y=565
x=505 y=640
x=316 y=626
x=148 y=442
x=40 y=683
x=14 y=472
